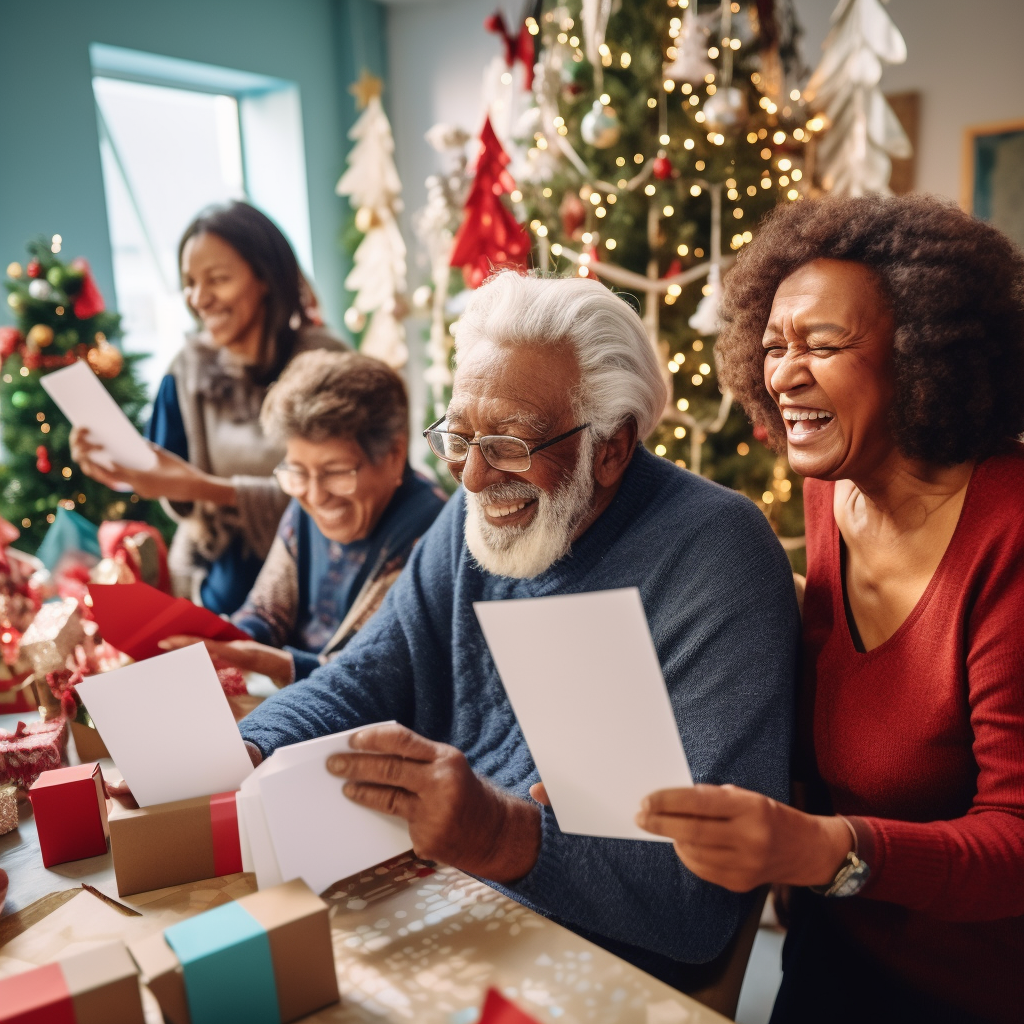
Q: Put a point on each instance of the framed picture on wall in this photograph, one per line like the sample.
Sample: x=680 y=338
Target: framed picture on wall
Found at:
x=994 y=176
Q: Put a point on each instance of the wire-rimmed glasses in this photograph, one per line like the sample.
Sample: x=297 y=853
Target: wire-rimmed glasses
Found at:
x=295 y=482
x=501 y=452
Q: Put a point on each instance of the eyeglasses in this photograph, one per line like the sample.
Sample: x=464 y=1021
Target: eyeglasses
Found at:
x=501 y=452
x=295 y=482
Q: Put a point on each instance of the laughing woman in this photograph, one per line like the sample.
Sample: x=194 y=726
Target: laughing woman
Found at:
x=243 y=285
x=880 y=342
x=356 y=511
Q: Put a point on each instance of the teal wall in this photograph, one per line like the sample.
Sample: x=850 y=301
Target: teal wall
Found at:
x=50 y=176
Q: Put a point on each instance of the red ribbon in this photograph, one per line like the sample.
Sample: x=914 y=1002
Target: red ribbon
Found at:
x=517 y=47
x=227 y=850
x=40 y=996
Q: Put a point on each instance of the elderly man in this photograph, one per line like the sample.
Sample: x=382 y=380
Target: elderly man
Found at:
x=556 y=382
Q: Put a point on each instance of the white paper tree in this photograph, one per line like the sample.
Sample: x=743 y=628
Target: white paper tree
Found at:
x=378 y=276
x=862 y=133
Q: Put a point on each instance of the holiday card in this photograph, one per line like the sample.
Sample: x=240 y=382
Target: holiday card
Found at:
x=87 y=403
x=168 y=727
x=135 y=617
x=592 y=703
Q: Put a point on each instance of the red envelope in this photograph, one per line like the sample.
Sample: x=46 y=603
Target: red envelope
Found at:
x=498 y=1010
x=134 y=617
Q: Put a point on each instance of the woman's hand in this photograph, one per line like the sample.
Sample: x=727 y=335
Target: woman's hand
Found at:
x=172 y=477
x=247 y=655
x=740 y=840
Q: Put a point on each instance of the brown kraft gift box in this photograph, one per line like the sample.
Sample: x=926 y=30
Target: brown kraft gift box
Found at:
x=174 y=843
x=298 y=927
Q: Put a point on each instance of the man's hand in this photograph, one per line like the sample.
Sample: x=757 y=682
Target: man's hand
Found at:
x=454 y=816
x=172 y=477
x=247 y=655
x=740 y=840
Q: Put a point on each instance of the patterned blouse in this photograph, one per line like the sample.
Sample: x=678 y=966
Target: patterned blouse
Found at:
x=313 y=594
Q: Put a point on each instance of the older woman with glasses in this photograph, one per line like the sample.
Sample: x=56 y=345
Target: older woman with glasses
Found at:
x=356 y=511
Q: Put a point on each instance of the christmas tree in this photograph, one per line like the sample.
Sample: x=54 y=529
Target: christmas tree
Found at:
x=646 y=143
x=378 y=276
x=60 y=318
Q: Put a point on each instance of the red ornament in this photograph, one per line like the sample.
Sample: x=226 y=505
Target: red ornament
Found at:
x=31 y=360
x=10 y=338
x=43 y=459
x=573 y=213
x=760 y=432
x=88 y=302
x=490 y=236
x=34 y=268
x=662 y=168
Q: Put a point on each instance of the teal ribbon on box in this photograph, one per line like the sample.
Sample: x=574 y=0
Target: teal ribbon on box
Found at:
x=229 y=973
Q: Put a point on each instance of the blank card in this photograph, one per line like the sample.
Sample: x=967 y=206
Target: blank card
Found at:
x=168 y=727
x=87 y=403
x=583 y=677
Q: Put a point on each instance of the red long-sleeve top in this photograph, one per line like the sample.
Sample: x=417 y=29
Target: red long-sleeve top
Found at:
x=921 y=740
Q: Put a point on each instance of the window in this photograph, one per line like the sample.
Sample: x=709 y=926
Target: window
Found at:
x=175 y=137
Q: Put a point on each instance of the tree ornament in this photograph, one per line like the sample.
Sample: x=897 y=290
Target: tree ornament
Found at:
x=55 y=275
x=600 y=126
x=355 y=319
x=43 y=459
x=19 y=399
x=35 y=268
x=10 y=338
x=105 y=359
x=39 y=335
x=576 y=75
x=662 y=167
x=14 y=270
x=489 y=236
x=854 y=154
x=726 y=111
x=573 y=212
x=40 y=289
x=691 y=62
x=366 y=218
x=89 y=301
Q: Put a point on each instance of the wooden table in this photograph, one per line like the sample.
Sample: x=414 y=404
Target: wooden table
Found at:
x=412 y=942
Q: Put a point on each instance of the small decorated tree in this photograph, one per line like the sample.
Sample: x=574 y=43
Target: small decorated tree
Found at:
x=378 y=277
x=854 y=153
x=490 y=236
x=60 y=318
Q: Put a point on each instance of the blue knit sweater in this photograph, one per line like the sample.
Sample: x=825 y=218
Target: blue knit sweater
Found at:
x=718 y=594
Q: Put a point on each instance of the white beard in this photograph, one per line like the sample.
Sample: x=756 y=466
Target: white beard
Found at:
x=522 y=552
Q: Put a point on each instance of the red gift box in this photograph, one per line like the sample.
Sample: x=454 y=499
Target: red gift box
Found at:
x=71 y=813
x=99 y=986
x=31 y=750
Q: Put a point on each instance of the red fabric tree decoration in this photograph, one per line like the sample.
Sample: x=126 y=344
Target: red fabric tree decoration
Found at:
x=489 y=236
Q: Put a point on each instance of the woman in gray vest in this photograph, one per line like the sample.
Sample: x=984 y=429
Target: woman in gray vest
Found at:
x=254 y=312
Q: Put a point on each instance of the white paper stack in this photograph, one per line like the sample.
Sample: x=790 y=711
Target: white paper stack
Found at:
x=295 y=822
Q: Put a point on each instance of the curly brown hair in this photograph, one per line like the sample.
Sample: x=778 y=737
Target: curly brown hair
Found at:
x=956 y=289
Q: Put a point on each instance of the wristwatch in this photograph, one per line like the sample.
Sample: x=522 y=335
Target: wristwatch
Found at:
x=853 y=873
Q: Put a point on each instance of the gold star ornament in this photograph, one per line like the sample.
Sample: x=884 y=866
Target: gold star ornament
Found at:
x=367 y=88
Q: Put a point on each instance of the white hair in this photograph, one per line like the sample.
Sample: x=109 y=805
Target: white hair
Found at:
x=620 y=375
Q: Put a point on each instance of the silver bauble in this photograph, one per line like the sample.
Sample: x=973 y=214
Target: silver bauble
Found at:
x=600 y=126
x=40 y=289
x=726 y=111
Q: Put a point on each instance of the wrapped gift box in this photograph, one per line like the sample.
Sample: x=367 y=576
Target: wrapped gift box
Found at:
x=70 y=813
x=31 y=750
x=263 y=959
x=174 y=843
x=99 y=986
